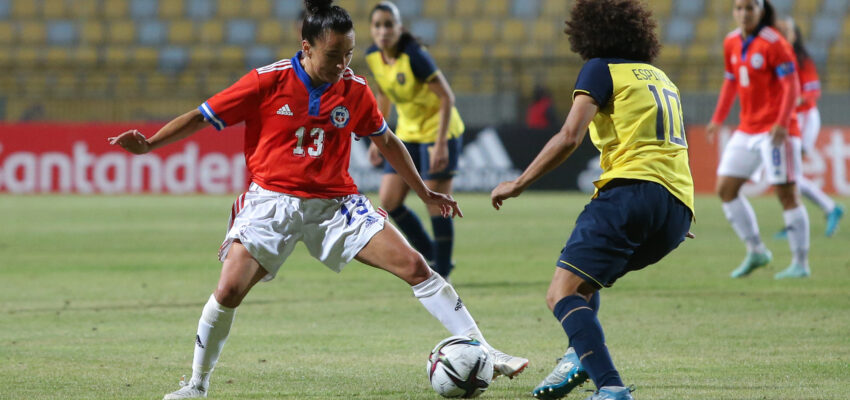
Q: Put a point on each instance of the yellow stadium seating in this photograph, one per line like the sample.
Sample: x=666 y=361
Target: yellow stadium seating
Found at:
x=502 y=51
x=57 y=56
x=514 y=31
x=698 y=52
x=92 y=32
x=230 y=8
x=145 y=57
x=201 y=57
x=212 y=32
x=496 y=8
x=259 y=9
x=806 y=8
x=544 y=31
x=663 y=8
x=473 y=52
x=453 y=31
x=670 y=53
x=53 y=9
x=7 y=33
x=271 y=31
x=126 y=84
x=436 y=8
x=171 y=9
x=6 y=60
x=84 y=56
x=483 y=31
x=24 y=9
x=116 y=56
x=65 y=84
x=84 y=9
x=181 y=32
x=115 y=9
x=121 y=32
x=708 y=30
x=231 y=56
x=27 y=56
x=32 y=32
x=466 y=8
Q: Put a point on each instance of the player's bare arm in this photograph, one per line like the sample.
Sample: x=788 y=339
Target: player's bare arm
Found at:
x=179 y=128
x=440 y=86
x=556 y=151
x=394 y=152
x=384 y=106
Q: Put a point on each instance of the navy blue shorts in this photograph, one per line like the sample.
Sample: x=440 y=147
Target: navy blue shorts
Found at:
x=630 y=225
x=421 y=155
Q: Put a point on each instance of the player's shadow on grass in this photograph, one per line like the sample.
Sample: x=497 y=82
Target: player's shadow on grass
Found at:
x=499 y=284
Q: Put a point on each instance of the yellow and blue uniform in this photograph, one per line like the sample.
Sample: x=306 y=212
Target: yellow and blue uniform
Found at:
x=644 y=201
x=405 y=83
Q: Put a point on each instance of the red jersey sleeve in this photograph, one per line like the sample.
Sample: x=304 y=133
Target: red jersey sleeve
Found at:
x=809 y=83
x=781 y=59
x=369 y=120
x=729 y=71
x=233 y=105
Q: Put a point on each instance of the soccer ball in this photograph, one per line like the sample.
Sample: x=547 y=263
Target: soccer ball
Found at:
x=460 y=367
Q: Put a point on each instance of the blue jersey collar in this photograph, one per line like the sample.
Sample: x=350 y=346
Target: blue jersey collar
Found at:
x=748 y=41
x=315 y=92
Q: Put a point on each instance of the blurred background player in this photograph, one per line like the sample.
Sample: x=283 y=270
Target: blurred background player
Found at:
x=428 y=124
x=643 y=206
x=761 y=71
x=808 y=118
x=299 y=116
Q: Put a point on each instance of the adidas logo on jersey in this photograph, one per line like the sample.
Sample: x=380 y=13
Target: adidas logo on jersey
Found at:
x=285 y=111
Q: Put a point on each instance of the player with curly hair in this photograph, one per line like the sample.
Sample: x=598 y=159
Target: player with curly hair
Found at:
x=643 y=205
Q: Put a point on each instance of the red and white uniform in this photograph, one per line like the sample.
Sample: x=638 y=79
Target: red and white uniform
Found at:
x=297 y=137
x=297 y=149
x=757 y=71
x=808 y=116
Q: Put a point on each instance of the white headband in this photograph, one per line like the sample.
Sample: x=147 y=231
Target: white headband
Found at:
x=394 y=9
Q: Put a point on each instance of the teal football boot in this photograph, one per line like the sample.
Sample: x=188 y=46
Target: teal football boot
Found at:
x=794 y=271
x=832 y=220
x=781 y=235
x=566 y=376
x=751 y=263
x=613 y=393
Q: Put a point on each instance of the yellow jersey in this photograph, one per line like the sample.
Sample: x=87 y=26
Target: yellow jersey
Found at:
x=639 y=128
x=404 y=83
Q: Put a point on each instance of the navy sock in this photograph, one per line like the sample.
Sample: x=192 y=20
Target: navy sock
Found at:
x=582 y=327
x=444 y=239
x=594 y=302
x=411 y=226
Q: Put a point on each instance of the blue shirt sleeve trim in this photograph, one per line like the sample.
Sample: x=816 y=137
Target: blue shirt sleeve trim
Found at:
x=784 y=69
x=595 y=79
x=381 y=131
x=728 y=75
x=421 y=63
x=211 y=117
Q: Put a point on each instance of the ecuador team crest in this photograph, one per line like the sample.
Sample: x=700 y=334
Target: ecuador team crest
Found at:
x=340 y=116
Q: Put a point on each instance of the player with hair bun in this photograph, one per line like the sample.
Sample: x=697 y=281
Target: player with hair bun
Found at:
x=428 y=124
x=761 y=71
x=644 y=202
x=300 y=115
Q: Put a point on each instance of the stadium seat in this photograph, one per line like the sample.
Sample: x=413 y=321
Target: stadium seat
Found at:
x=408 y=8
x=121 y=32
x=200 y=57
x=231 y=56
x=525 y=8
x=57 y=56
x=424 y=28
x=679 y=30
x=690 y=8
x=24 y=9
x=92 y=32
x=496 y=8
x=53 y=9
x=241 y=31
x=783 y=7
x=85 y=9
x=544 y=31
x=143 y=9
x=64 y=84
x=171 y=9
x=5 y=9
x=61 y=32
x=804 y=9
x=501 y=51
x=181 y=32
x=32 y=32
x=437 y=8
x=826 y=28
x=698 y=52
x=467 y=9
x=229 y=9
x=7 y=33
x=513 y=31
x=187 y=82
x=670 y=53
x=116 y=56
x=483 y=31
x=453 y=31
x=173 y=58
x=662 y=9
x=200 y=9
x=84 y=56
x=271 y=31
x=115 y=10
x=212 y=32
x=287 y=9
x=707 y=30
x=145 y=57
x=558 y=9
x=834 y=8
x=259 y=9
x=258 y=56
x=151 y=32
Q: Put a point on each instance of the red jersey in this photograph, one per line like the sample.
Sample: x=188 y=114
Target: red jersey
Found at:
x=298 y=137
x=809 y=86
x=756 y=64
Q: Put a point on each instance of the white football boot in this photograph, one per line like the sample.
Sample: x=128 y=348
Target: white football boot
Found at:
x=506 y=364
x=188 y=390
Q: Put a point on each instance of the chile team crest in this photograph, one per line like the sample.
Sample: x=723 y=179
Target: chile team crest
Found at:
x=340 y=116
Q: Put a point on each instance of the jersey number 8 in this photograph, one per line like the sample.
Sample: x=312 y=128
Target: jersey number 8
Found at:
x=318 y=142
x=659 y=117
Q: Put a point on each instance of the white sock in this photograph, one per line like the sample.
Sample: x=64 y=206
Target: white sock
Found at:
x=815 y=194
x=797 y=224
x=441 y=300
x=740 y=214
x=213 y=328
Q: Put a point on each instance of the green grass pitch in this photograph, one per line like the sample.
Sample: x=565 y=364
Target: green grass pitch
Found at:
x=100 y=298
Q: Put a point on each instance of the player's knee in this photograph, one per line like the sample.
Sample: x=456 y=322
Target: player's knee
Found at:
x=415 y=269
x=228 y=295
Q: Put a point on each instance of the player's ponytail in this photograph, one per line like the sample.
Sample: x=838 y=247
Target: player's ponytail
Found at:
x=799 y=48
x=322 y=15
x=768 y=14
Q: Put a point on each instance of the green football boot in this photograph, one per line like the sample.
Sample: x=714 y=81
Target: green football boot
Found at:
x=794 y=271
x=751 y=263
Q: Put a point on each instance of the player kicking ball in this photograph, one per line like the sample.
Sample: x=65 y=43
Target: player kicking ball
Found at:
x=300 y=115
x=643 y=205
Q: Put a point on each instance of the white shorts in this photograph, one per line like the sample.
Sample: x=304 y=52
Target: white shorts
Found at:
x=269 y=224
x=745 y=153
x=809 y=122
